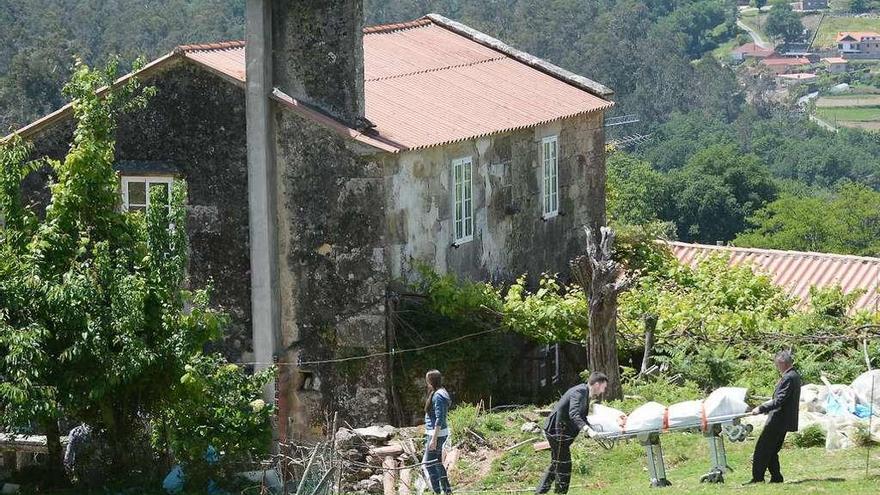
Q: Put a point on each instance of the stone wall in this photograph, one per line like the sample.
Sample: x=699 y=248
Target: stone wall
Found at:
x=510 y=235
x=196 y=124
x=333 y=275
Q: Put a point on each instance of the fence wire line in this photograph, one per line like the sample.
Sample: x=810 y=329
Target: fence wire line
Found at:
x=392 y=352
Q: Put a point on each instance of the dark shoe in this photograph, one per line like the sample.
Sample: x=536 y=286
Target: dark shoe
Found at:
x=776 y=480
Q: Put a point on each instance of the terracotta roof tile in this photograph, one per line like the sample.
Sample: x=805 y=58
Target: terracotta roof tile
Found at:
x=797 y=271
x=426 y=85
x=433 y=81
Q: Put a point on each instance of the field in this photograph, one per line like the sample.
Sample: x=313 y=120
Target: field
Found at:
x=851 y=110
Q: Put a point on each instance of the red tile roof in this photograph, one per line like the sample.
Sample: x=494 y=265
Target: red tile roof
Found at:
x=753 y=50
x=857 y=35
x=786 y=61
x=433 y=81
x=797 y=271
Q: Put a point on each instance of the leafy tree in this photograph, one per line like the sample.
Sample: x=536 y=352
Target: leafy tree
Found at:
x=634 y=190
x=94 y=323
x=858 y=6
x=847 y=222
x=783 y=23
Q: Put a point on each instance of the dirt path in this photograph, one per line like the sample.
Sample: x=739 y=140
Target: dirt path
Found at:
x=754 y=34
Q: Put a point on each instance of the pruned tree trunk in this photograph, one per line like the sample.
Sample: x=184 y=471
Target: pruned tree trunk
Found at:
x=55 y=457
x=603 y=278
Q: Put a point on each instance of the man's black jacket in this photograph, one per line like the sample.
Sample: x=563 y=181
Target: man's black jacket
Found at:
x=570 y=414
x=783 y=407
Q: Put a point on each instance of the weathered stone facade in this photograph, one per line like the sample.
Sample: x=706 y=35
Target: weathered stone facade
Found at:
x=510 y=236
x=196 y=124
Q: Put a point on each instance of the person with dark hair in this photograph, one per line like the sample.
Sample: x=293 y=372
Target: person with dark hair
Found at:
x=567 y=420
x=782 y=418
x=436 y=431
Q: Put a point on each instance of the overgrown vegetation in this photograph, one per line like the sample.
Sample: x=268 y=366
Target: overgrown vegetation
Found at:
x=96 y=325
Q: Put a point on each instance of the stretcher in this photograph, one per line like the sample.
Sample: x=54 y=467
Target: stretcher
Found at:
x=713 y=429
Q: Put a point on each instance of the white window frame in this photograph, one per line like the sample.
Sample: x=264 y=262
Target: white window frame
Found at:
x=462 y=200
x=148 y=181
x=550 y=177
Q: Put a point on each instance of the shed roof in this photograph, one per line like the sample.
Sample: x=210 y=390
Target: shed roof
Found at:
x=857 y=35
x=786 y=61
x=433 y=81
x=797 y=271
x=753 y=49
x=835 y=60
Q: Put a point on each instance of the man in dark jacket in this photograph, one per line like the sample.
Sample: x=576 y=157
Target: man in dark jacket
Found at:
x=569 y=418
x=783 y=418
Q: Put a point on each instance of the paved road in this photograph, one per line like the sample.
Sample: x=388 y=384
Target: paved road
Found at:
x=754 y=34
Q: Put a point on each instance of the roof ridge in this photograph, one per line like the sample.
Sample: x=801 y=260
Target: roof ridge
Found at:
x=435 y=69
x=397 y=26
x=218 y=45
x=811 y=254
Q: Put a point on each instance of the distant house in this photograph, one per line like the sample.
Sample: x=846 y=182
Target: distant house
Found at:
x=796 y=79
x=781 y=65
x=750 y=50
x=798 y=271
x=864 y=43
x=812 y=5
x=835 y=65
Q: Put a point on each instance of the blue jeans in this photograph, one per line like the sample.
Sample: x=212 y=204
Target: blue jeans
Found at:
x=434 y=465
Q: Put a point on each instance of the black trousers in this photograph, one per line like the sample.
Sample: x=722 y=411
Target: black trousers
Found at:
x=560 y=461
x=766 y=455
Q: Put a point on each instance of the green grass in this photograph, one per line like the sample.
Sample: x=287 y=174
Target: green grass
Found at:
x=849 y=114
x=623 y=470
x=722 y=52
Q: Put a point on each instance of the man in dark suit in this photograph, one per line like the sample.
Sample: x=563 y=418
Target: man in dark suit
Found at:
x=783 y=418
x=569 y=418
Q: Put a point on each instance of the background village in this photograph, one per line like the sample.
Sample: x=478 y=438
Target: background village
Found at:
x=230 y=255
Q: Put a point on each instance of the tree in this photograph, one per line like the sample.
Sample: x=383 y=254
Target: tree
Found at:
x=858 y=6
x=783 y=23
x=95 y=325
x=847 y=222
x=600 y=274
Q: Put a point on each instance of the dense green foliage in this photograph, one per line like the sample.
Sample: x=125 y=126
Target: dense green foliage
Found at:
x=783 y=23
x=95 y=325
x=844 y=221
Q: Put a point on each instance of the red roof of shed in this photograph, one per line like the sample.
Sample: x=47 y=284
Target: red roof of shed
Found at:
x=797 y=271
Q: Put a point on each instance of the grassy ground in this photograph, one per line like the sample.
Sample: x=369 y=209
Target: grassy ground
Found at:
x=623 y=470
x=849 y=114
x=756 y=21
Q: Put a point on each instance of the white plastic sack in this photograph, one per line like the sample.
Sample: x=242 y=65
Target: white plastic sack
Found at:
x=726 y=401
x=648 y=416
x=861 y=388
x=810 y=401
x=685 y=413
x=606 y=419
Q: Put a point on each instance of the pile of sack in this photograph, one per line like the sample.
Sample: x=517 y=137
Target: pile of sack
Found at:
x=841 y=410
x=652 y=416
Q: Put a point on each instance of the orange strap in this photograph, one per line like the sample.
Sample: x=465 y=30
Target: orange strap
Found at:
x=704 y=421
x=666 y=419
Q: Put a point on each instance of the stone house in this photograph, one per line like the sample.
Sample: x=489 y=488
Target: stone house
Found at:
x=859 y=44
x=327 y=158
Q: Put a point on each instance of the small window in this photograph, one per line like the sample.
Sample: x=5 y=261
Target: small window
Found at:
x=550 y=173
x=463 y=200
x=135 y=191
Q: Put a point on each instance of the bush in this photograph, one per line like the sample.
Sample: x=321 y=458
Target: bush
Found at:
x=811 y=436
x=217 y=420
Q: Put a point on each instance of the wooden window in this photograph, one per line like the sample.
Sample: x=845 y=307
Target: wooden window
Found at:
x=463 y=200
x=550 y=174
x=135 y=191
